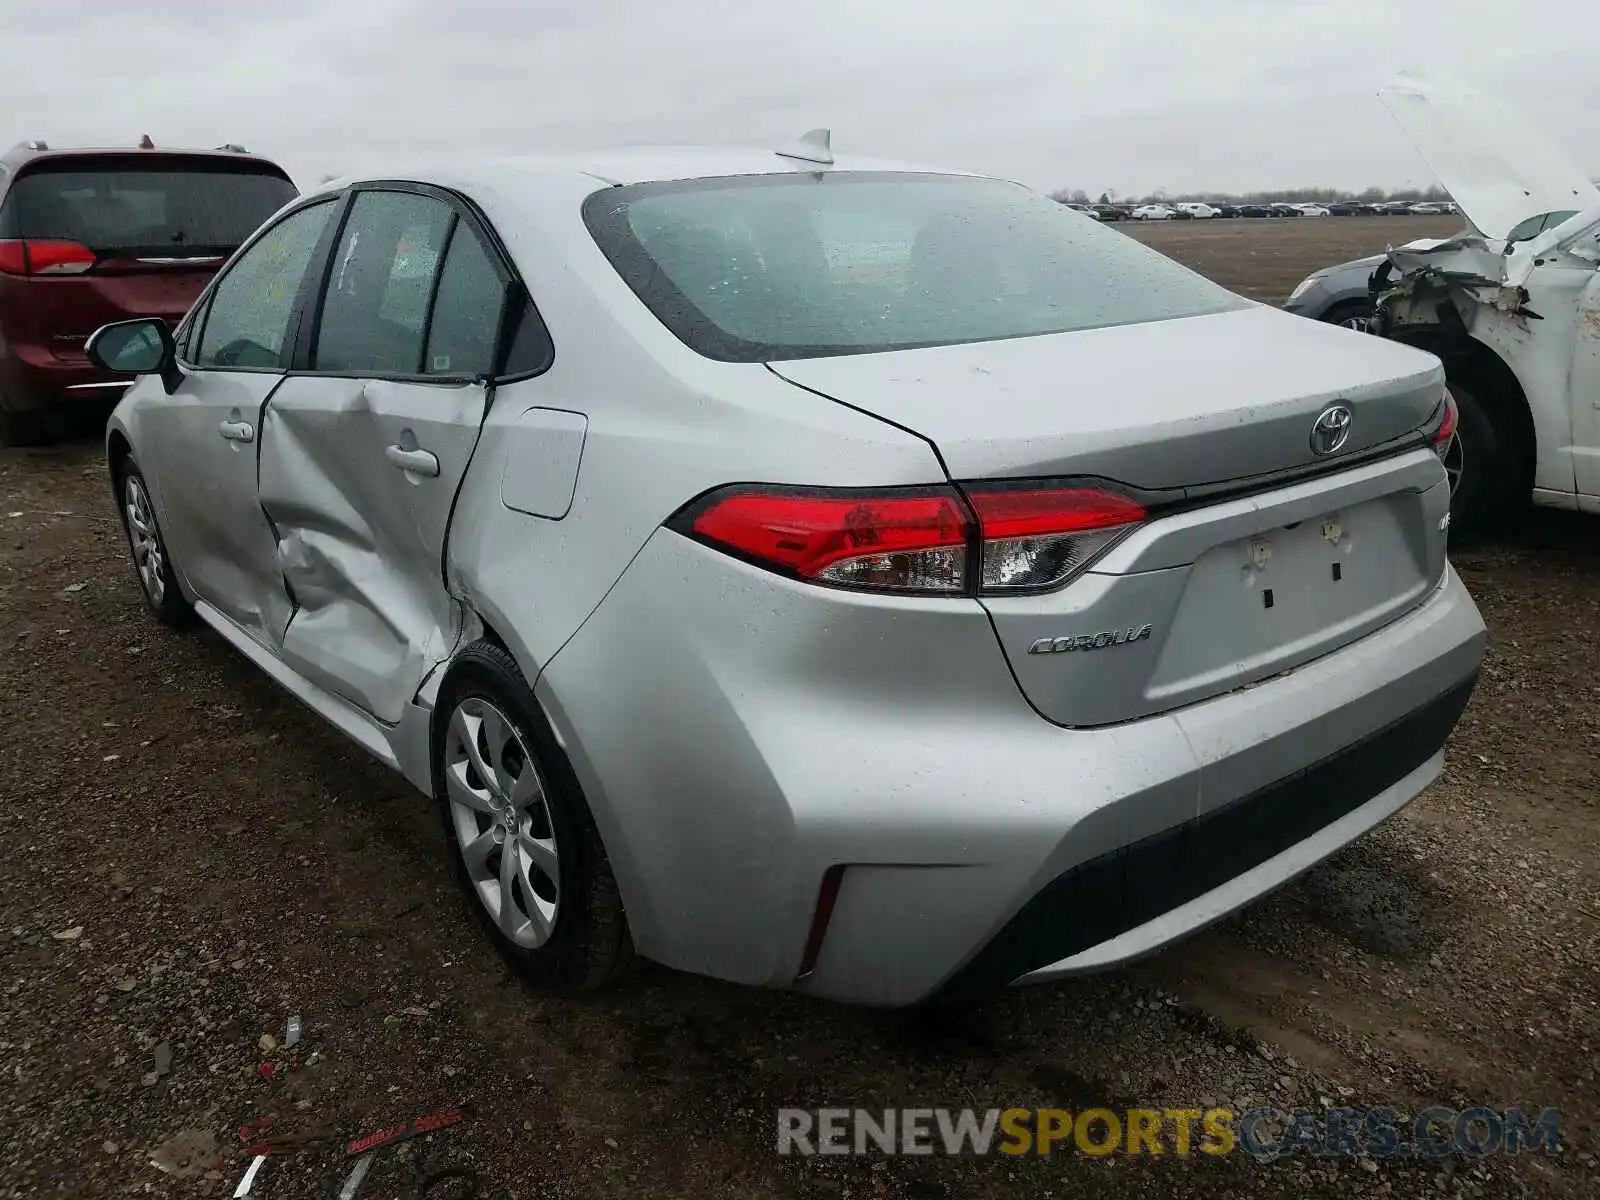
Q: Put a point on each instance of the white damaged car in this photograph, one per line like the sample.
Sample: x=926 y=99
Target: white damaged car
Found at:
x=1511 y=305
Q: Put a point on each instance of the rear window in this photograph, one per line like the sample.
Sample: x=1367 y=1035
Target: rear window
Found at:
x=113 y=204
x=773 y=267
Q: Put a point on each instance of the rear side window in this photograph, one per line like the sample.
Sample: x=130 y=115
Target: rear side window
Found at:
x=466 y=311
x=771 y=267
x=161 y=205
x=374 y=315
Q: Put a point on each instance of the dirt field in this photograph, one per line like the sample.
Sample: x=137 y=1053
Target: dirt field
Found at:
x=190 y=858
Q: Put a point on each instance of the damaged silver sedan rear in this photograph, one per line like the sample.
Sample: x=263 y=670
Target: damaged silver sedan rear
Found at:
x=1511 y=305
x=810 y=573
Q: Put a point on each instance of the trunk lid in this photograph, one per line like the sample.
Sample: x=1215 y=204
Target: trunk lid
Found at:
x=1200 y=601
x=1159 y=405
x=1231 y=579
x=1499 y=169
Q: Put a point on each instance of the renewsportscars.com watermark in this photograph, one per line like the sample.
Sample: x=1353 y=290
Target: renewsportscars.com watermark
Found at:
x=1263 y=1133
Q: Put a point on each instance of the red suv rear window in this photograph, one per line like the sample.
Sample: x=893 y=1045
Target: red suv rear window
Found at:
x=117 y=203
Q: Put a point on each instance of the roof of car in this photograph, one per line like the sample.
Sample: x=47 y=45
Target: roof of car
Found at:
x=625 y=166
x=25 y=152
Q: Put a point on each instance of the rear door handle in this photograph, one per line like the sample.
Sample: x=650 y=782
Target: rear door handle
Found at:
x=237 y=431
x=417 y=462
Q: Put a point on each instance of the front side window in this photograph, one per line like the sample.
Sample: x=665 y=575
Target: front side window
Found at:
x=375 y=313
x=773 y=267
x=247 y=323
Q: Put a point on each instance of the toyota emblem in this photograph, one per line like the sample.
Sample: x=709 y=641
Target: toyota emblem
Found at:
x=1331 y=430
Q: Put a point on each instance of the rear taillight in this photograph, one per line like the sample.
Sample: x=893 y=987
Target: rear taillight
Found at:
x=933 y=540
x=36 y=257
x=1445 y=431
x=910 y=542
x=1041 y=537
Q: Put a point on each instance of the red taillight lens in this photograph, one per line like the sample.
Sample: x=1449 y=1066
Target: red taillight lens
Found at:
x=1446 y=429
x=927 y=540
x=913 y=542
x=1041 y=537
x=35 y=257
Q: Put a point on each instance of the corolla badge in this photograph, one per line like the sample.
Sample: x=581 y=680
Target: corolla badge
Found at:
x=1331 y=430
x=1091 y=641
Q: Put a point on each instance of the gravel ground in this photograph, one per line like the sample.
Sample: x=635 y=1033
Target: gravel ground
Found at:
x=192 y=858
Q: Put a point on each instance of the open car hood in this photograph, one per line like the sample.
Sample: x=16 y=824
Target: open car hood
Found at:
x=1499 y=169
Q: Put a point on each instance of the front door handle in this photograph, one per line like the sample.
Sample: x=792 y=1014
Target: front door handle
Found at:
x=237 y=431
x=416 y=462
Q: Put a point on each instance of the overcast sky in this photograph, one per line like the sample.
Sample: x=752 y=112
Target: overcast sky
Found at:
x=1128 y=94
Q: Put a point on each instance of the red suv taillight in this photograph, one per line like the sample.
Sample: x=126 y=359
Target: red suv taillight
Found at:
x=926 y=540
x=36 y=257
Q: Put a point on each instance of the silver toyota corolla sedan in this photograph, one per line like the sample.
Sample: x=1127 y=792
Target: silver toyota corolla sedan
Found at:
x=824 y=574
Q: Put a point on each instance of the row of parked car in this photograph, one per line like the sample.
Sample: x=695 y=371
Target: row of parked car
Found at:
x=1194 y=210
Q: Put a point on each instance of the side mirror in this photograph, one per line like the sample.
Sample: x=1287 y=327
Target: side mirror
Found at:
x=142 y=347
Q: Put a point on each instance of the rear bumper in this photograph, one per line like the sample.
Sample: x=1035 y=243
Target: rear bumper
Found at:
x=1135 y=900
x=32 y=379
x=739 y=735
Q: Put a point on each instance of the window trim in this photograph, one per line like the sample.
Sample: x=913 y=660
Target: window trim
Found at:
x=516 y=303
x=199 y=315
x=433 y=298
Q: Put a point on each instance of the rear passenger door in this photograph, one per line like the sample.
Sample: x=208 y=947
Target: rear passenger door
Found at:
x=364 y=446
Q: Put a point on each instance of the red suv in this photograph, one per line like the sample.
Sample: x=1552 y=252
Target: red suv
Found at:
x=93 y=236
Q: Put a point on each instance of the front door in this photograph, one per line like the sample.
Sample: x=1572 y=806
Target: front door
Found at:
x=363 y=452
x=206 y=434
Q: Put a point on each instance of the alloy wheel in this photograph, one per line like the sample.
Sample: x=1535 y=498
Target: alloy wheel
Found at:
x=500 y=814
x=1454 y=463
x=145 y=539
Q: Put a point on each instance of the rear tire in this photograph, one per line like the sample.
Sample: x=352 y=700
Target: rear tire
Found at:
x=516 y=821
x=152 y=563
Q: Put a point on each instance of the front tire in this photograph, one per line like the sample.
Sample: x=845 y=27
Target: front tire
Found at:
x=1484 y=466
x=152 y=563
x=525 y=845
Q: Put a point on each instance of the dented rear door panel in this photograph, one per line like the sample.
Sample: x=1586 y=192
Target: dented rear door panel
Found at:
x=358 y=478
